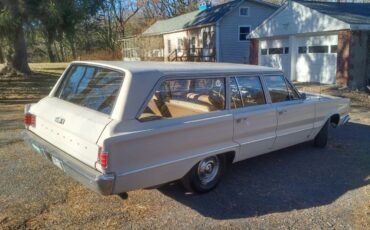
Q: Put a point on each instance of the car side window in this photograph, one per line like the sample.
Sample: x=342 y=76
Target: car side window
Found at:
x=277 y=88
x=246 y=91
x=185 y=97
x=251 y=91
x=293 y=95
x=236 y=100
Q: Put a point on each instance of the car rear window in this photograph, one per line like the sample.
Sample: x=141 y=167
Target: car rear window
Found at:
x=92 y=87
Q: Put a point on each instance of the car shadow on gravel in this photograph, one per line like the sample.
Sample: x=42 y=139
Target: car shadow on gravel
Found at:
x=298 y=177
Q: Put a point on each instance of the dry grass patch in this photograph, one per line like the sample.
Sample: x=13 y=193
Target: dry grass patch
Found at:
x=362 y=217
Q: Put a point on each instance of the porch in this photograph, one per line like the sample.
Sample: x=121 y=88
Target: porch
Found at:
x=193 y=55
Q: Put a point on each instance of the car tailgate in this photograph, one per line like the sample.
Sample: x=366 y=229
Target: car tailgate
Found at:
x=71 y=128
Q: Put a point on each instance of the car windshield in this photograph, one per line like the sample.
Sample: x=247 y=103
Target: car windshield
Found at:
x=92 y=87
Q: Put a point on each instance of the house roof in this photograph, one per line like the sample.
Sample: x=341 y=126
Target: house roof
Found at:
x=352 y=13
x=196 y=18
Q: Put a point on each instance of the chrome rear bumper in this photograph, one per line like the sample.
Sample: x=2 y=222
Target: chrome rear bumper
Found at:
x=91 y=178
x=344 y=120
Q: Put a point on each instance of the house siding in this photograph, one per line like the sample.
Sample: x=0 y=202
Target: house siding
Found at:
x=344 y=44
x=358 y=59
x=173 y=37
x=353 y=59
x=233 y=50
x=186 y=35
x=254 y=51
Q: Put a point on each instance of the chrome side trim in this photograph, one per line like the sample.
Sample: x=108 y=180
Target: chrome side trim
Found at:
x=205 y=154
x=258 y=140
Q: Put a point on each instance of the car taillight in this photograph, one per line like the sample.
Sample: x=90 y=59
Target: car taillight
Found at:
x=29 y=119
x=103 y=158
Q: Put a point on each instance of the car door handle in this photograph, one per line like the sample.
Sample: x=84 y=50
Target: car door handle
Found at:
x=282 y=111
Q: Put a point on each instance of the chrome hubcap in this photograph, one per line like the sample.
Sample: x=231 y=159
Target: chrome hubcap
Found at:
x=208 y=169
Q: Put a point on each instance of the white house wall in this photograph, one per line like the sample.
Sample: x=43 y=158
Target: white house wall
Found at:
x=186 y=35
x=232 y=50
x=173 y=37
x=296 y=18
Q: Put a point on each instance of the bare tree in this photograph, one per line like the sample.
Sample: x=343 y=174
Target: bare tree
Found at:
x=123 y=11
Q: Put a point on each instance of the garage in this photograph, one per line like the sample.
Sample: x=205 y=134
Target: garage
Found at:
x=312 y=41
x=314 y=57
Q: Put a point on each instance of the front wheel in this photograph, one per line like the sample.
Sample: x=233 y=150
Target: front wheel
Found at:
x=205 y=175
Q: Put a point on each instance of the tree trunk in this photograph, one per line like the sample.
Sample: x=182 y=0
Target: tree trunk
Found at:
x=73 y=47
x=49 y=44
x=61 y=48
x=1 y=55
x=56 y=52
x=19 y=61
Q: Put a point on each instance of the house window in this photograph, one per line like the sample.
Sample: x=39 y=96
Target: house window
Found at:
x=318 y=49
x=244 y=11
x=180 y=44
x=192 y=44
x=244 y=32
x=263 y=51
x=276 y=50
x=333 y=49
x=205 y=40
x=302 y=49
x=169 y=46
x=286 y=50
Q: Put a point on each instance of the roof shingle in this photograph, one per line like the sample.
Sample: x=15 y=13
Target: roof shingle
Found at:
x=196 y=18
x=352 y=13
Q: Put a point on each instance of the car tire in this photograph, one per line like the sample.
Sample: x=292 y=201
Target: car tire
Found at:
x=205 y=175
x=321 y=138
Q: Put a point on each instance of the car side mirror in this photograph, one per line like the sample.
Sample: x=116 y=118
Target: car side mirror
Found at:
x=303 y=96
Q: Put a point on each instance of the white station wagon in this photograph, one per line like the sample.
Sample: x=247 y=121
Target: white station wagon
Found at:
x=120 y=126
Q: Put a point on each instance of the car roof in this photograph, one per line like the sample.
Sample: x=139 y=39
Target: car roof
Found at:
x=175 y=68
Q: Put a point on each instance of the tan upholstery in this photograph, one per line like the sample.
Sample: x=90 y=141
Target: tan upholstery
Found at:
x=179 y=108
x=199 y=99
x=153 y=106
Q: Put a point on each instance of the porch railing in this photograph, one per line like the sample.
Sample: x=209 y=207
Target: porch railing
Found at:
x=193 y=55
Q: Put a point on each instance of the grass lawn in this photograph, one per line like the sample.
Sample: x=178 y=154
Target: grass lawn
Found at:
x=17 y=91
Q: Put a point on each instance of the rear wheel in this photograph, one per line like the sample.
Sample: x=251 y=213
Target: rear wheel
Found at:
x=205 y=175
x=321 y=138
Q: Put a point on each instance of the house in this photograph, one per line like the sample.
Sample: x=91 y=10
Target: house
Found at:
x=325 y=42
x=217 y=33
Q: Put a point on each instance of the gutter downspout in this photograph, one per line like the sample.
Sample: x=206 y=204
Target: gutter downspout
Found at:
x=218 y=44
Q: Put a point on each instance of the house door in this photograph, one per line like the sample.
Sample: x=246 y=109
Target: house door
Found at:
x=193 y=46
x=206 y=45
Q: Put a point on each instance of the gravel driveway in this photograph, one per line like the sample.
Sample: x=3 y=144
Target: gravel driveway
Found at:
x=300 y=187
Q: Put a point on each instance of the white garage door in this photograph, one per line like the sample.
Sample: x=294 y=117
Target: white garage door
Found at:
x=316 y=60
x=275 y=53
